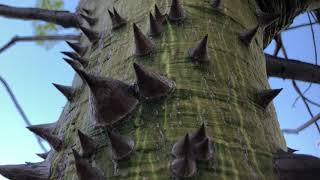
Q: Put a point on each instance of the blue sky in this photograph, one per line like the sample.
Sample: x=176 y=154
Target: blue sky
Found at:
x=299 y=45
x=30 y=69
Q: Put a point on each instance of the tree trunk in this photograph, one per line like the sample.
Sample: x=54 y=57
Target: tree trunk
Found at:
x=222 y=94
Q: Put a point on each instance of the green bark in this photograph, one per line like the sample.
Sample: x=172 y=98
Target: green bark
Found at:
x=221 y=94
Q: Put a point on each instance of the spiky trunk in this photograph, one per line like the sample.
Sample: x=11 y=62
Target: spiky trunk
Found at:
x=214 y=88
x=220 y=92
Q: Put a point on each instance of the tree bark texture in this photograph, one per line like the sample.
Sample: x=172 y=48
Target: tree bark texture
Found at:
x=221 y=93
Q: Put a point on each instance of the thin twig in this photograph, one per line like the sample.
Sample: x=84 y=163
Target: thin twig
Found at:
x=313 y=39
x=314 y=16
x=303 y=126
x=296 y=86
x=307 y=99
x=300 y=26
x=305 y=102
x=278 y=45
x=38 y=38
x=315 y=55
x=20 y=110
x=303 y=95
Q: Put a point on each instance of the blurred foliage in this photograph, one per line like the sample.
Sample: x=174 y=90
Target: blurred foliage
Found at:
x=50 y=4
x=43 y=28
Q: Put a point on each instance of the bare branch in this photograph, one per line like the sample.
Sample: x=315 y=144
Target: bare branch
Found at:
x=305 y=100
x=20 y=110
x=278 y=41
x=303 y=126
x=313 y=39
x=63 y=18
x=300 y=94
x=38 y=38
x=313 y=4
x=292 y=69
x=297 y=89
x=301 y=25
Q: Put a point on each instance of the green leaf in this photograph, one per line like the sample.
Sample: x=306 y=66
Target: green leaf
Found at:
x=42 y=28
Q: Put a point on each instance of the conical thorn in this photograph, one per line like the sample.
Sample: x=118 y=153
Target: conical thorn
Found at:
x=34 y=171
x=78 y=48
x=152 y=85
x=247 y=36
x=67 y=91
x=87 y=144
x=266 y=96
x=110 y=14
x=114 y=104
x=215 y=4
x=160 y=18
x=200 y=51
x=177 y=13
x=74 y=64
x=44 y=128
x=184 y=167
x=143 y=45
x=199 y=135
x=116 y=19
x=75 y=56
x=93 y=36
x=203 y=151
x=84 y=170
x=90 y=20
x=43 y=155
x=122 y=146
x=87 y=11
x=45 y=132
x=155 y=29
x=183 y=148
x=90 y=79
x=290 y=150
x=281 y=152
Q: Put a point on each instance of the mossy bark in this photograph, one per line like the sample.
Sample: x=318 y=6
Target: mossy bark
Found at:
x=221 y=94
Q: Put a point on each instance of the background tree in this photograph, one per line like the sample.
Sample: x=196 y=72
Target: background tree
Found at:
x=224 y=94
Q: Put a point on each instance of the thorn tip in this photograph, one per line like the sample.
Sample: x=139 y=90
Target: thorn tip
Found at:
x=266 y=96
x=155 y=29
x=152 y=85
x=122 y=146
x=247 y=36
x=116 y=19
x=93 y=36
x=199 y=53
x=143 y=45
x=177 y=13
